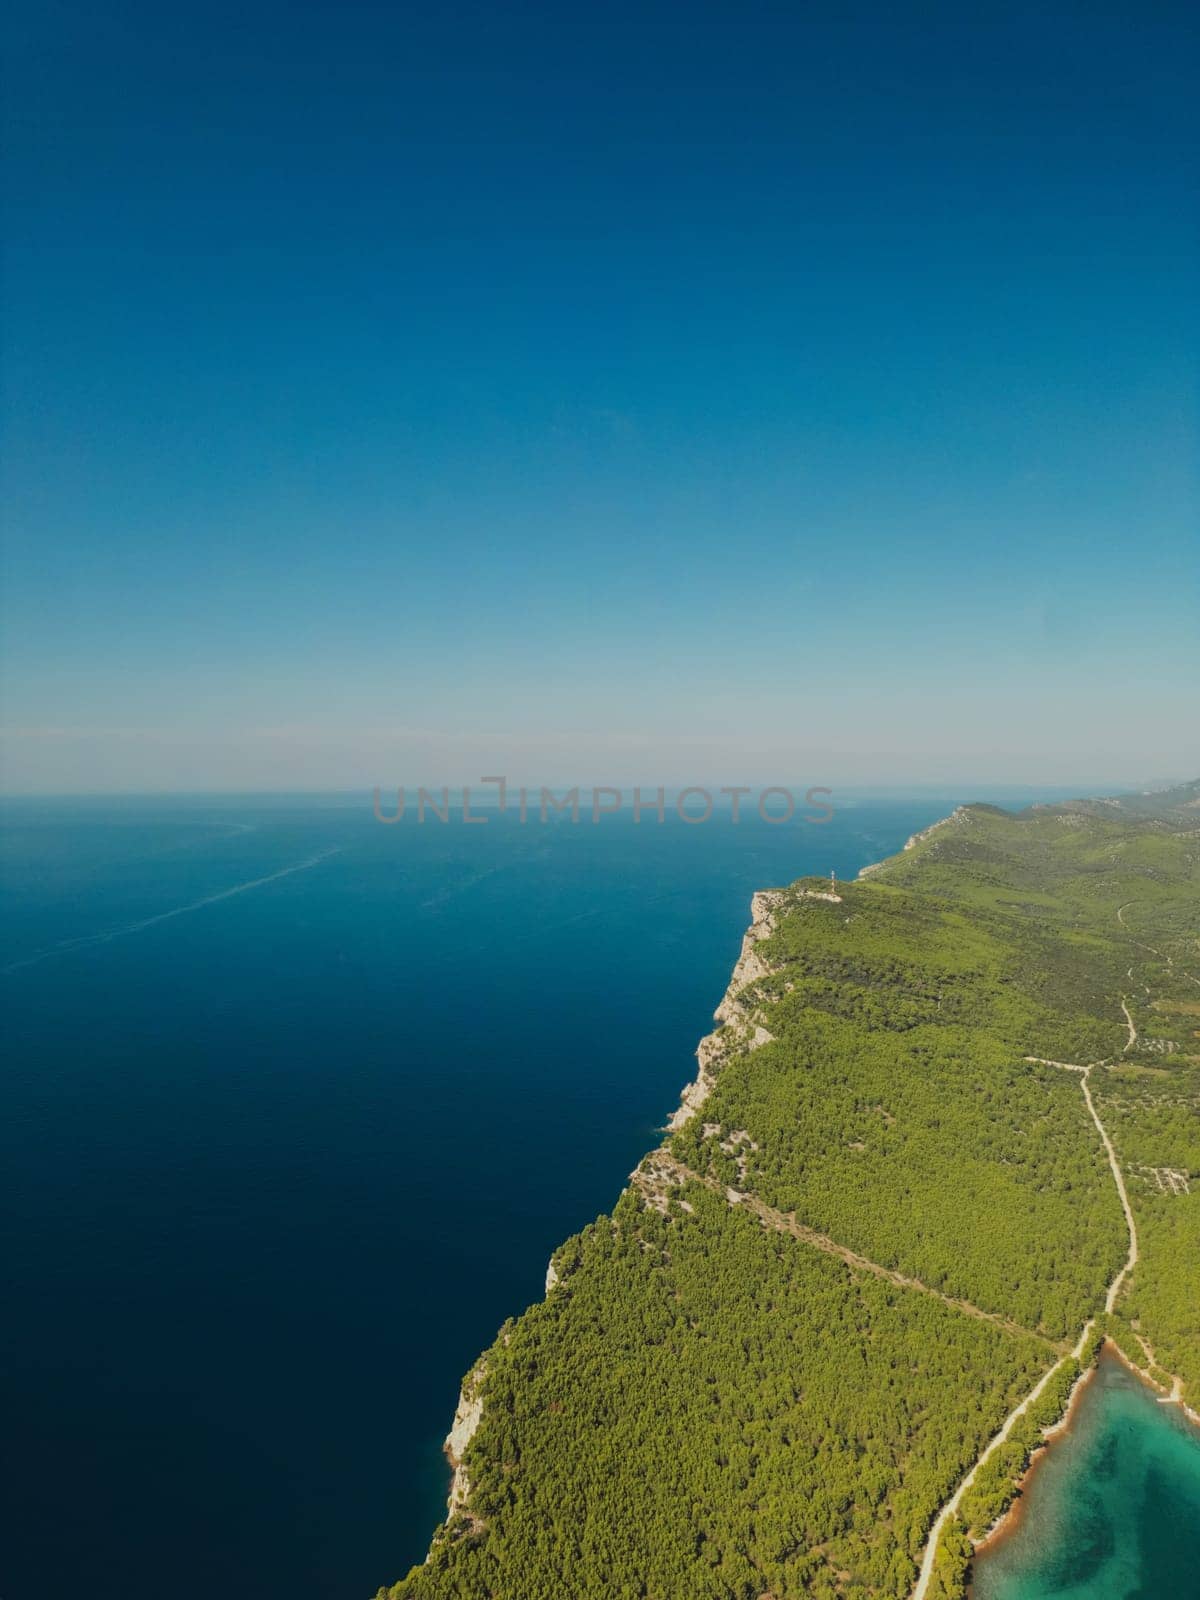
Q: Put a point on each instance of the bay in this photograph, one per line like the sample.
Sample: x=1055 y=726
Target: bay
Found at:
x=1112 y=1510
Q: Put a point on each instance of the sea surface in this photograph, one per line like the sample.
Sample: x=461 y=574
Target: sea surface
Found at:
x=295 y=1108
x=1112 y=1511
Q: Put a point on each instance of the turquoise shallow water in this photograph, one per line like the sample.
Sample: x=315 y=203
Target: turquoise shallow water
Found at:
x=1113 y=1511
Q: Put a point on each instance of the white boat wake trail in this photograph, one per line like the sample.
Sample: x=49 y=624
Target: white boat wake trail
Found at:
x=66 y=946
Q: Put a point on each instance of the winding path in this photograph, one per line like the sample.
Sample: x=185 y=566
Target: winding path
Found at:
x=1114 y=1288
x=1110 y=1300
x=1163 y=955
x=994 y=1443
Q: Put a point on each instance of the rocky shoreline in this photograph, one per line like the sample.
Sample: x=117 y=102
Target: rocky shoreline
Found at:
x=735 y=1027
x=737 y=1032
x=467 y=1417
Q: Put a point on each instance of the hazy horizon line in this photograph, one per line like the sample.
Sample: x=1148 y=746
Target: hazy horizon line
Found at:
x=486 y=800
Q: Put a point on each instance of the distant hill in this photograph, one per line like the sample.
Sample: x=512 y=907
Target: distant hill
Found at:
x=1170 y=805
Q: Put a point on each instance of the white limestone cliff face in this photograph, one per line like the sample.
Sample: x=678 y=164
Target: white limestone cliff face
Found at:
x=737 y=1032
x=467 y=1418
x=749 y=964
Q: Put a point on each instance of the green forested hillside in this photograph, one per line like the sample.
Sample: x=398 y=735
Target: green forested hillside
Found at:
x=769 y=1369
x=895 y=1112
x=707 y=1408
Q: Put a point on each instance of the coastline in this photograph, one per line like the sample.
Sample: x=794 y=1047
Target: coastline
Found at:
x=758 y=1001
x=913 y=841
x=1010 y=1520
x=1052 y=1411
x=467 y=1417
x=735 y=1032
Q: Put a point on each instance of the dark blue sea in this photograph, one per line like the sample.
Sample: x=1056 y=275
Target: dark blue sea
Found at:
x=295 y=1109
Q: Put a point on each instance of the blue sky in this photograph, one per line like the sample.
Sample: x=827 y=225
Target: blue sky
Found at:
x=655 y=393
